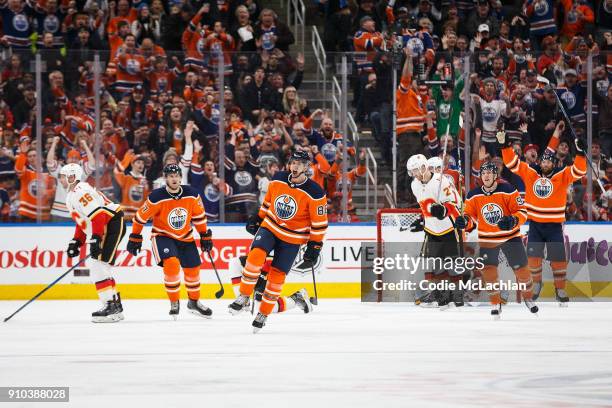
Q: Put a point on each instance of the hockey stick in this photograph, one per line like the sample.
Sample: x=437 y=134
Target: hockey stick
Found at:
x=443 y=157
x=221 y=291
x=569 y=124
x=47 y=288
x=314 y=300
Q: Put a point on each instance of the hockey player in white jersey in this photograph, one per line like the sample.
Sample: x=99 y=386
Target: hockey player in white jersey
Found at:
x=102 y=220
x=439 y=203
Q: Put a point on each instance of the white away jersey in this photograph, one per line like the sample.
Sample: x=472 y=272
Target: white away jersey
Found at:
x=85 y=202
x=427 y=194
x=491 y=111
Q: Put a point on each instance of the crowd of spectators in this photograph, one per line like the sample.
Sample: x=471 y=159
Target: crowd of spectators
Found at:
x=160 y=91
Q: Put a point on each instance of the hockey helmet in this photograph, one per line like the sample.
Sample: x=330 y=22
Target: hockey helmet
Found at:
x=72 y=169
x=418 y=161
x=172 y=169
x=300 y=155
x=435 y=163
x=328 y=151
x=488 y=166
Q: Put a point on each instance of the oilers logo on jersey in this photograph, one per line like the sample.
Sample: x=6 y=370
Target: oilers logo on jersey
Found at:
x=492 y=213
x=543 y=188
x=489 y=114
x=20 y=22
x=416 y=45
x=211 y=193
x=285 y=207
x=177 y=218
x=132 y=66
x=569 y=98
x=51 y=23
x=136 y=193
x=541 y=8
x=243 y=178
x=444 y=110
x=33 y=188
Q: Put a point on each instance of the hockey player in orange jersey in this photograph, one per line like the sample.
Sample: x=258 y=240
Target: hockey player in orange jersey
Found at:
x=497 y=210
x=293 y=213
x=174 y=208
x=546 y=195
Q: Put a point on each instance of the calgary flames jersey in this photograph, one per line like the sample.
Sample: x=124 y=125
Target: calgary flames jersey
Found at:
x=294 y=213
x=546 y=197
x=90 y=209
x=485 y=209
x=427 y=194
x=172 y=217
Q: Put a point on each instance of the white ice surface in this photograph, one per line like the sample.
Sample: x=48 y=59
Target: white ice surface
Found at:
x=345 y=354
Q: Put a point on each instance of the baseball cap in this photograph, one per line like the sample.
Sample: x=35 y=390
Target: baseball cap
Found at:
x=531 y=147
x=570 y=72
x=483 y=27
x=402 y=10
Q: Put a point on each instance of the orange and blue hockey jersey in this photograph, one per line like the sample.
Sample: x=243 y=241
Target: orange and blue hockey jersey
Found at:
x=366 y=44
x=172 y=217
x=546 y=197
x=294 y=213
x=485 y=210
x=411 y=110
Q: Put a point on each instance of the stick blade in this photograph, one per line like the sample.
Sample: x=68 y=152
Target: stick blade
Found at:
x=220 y=293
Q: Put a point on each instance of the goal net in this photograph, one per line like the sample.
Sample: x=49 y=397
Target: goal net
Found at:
x=395 y=238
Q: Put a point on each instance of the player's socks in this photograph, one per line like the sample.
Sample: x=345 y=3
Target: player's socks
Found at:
x=276 y=278
x=559 y=269
x=172 y=279
x=535 y=268
x=523 y=276
x=104 y=281
x=192 y=282
x=199 y=309
x=489 y=275
x=252 y=270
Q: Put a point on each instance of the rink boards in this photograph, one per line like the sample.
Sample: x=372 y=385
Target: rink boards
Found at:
x=32 y=256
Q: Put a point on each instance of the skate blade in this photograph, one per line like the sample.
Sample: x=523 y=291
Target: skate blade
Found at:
x=430 y=305
x=234 y=312
x=106 y=319
x=174 y=317
x=121 y=316
x=563 y=304
x=309 y=306
x=496 y=317
x=200 y=314
x=256 y=329
x=446 y=307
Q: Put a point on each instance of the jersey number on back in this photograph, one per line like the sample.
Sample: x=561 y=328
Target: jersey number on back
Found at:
x=85 y=199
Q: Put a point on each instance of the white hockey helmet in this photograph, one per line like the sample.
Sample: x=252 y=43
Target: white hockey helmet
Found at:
x=435 y=164
x=416 y=162
x=72 y=169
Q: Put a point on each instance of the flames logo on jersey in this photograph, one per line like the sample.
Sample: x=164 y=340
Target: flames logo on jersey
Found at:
x=285 y=207
x=492 y=213
x=177 y=218
x=543 y=188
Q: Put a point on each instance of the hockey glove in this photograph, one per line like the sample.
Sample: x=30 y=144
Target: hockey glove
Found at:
x=73 y=248
x=507 y=222
x=461 y=222
x=502 y=140
x=417 y=225
x=95 y=248
x=206 y=241
x=313 y=249
x=134 y=244
x=580 y=146
x=253 y=224
x=438 y=211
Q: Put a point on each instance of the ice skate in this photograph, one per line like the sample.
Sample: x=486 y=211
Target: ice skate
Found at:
x=533 y=308
x=241 y=304
x=199 y=309
x=562 y=298
x=259 y=322
x=427 y=300
x=109 y=314
x=537 y=288
x=444 y=299
x=302 y=300
x=174 y=309
x=496 y=311
x=457 y=296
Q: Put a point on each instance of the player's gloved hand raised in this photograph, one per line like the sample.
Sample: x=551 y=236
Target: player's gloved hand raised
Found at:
x=507 y=222
x=134 y=244
x=438 y=211
x=313 y=249
x=95 y=246
x=253 y=224
x=580 y=146
x=206 y=241
x=417 y=225
x=461 y=222
x=73 y=248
